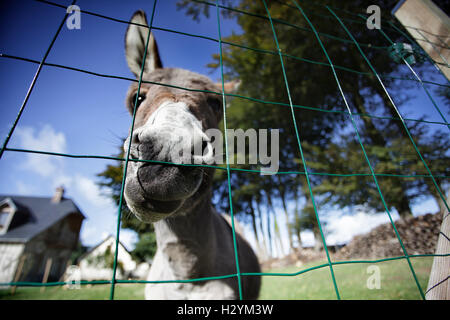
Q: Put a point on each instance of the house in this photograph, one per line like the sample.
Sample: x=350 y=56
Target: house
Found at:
x=37 y=236
x=97 y=263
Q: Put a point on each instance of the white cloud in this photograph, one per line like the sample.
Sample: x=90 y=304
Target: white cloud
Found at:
x=342 y=228
x=100 y=210
x=91 y=192
x=307 y=238
x=128 y=238
x=89 y=235
x=105 y=235
x=46 y=139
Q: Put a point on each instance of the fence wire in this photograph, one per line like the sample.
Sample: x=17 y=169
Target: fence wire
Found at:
x=351 y=40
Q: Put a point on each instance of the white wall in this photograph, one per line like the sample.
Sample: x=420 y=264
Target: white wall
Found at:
x=9 y=260
x=91 y=271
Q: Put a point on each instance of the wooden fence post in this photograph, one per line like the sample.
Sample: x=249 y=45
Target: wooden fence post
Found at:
x=18 y=272
x=439 y=282
x=429 y=25
x=48 y=266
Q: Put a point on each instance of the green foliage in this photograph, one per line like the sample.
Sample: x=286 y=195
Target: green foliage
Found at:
x=310 y=85
x=327 y=138
x=106 y=260
x=196 y=10
x=77 y=253
x=145 y=247
x=396 y=157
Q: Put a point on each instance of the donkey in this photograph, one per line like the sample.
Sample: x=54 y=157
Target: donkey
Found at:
x=193 y=240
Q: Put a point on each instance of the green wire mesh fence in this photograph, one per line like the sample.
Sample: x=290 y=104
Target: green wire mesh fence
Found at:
x=294 y=5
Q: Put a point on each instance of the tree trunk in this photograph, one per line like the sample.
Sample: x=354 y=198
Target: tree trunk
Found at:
x=403 y=208
x=269 y=232
x=318 y=242
x=278 y=237
x=264 y=248
x=297 y=212
x=286 y=214
x=255 y=230
x=252 y=214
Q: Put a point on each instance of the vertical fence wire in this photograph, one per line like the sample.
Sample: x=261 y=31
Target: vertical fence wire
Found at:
x=301 y=153
x=127 y=158
x=32 y=84
x=236 y=254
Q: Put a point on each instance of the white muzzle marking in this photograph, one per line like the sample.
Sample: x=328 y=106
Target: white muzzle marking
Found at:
x=177 y=133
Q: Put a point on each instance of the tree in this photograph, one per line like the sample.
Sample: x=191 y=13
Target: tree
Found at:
x=399 y=158
x=145 y=248
x=77 y=253
x=106 y=260
x=311 y=85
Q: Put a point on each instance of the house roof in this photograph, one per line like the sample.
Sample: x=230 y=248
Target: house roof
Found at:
x=40 y=213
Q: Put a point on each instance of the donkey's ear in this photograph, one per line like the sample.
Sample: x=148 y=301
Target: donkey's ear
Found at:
x=135 y=41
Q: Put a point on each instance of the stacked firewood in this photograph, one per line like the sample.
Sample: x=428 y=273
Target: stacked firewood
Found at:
x=418 y=234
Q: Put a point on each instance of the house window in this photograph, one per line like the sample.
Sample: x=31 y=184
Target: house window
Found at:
x=4 y=214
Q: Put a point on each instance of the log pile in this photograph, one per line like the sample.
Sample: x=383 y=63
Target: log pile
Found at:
x=297 y=258
x=419 y=235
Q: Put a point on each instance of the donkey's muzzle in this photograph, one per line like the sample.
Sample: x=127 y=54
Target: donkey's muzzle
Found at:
x=169 y=145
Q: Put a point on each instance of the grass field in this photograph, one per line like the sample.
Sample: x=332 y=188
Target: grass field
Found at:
x=396 y=283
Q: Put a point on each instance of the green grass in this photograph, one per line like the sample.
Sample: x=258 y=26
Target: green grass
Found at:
x=86 y=292
x=396 y=283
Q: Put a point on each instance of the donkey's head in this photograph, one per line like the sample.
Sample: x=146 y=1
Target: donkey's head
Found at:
x=170 y=125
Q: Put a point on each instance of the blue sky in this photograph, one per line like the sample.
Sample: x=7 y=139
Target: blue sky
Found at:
x=76 y=113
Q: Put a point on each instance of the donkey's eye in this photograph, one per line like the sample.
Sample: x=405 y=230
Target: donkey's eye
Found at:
x=141 y=97
x=214 y=103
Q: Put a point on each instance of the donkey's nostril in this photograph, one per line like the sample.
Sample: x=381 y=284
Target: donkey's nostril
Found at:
x=135 y=139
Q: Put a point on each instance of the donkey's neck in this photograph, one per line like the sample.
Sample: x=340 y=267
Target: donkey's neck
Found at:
x=186 y=241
